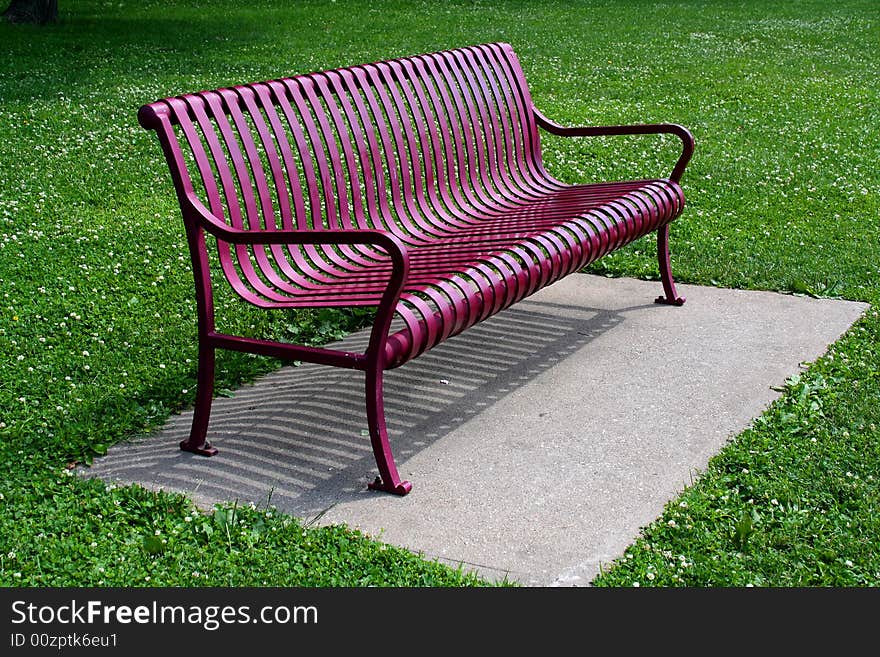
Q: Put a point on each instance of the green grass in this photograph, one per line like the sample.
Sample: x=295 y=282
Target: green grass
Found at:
x=97 y=330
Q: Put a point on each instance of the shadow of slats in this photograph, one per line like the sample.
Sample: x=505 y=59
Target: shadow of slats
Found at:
x=298 y=439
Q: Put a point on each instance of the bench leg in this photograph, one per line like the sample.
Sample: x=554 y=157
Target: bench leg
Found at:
x=196 y=442
x=670 y=295
x=388 y=479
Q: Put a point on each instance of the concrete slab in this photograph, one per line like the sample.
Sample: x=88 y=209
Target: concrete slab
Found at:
x=538 y=443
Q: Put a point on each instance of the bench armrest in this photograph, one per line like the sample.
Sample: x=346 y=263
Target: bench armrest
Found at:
x=681 y=132
x=386 y=241
x=395 y=249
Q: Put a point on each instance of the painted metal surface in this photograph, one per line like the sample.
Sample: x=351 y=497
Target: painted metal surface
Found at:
x=413 y=185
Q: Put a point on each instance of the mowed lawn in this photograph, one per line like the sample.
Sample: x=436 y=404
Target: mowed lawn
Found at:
x=97 y=318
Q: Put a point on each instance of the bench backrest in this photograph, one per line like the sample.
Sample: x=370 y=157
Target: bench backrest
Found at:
x=373 y=146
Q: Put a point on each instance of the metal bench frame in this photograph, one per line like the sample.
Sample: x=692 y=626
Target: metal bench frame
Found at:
x=414 y=185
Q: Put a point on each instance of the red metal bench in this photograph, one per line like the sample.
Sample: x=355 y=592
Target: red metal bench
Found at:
x=414 y=185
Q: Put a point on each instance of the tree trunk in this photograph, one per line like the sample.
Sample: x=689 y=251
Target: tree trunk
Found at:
x=31 y=11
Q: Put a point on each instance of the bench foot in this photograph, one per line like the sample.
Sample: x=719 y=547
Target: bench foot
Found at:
x=205 y=449
x=675 y=301
x=196 y=442
x=401 y=488
x=670 y=296
x=388 y=480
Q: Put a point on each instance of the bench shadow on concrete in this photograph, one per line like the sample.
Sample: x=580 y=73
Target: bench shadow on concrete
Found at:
x=297 y=438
